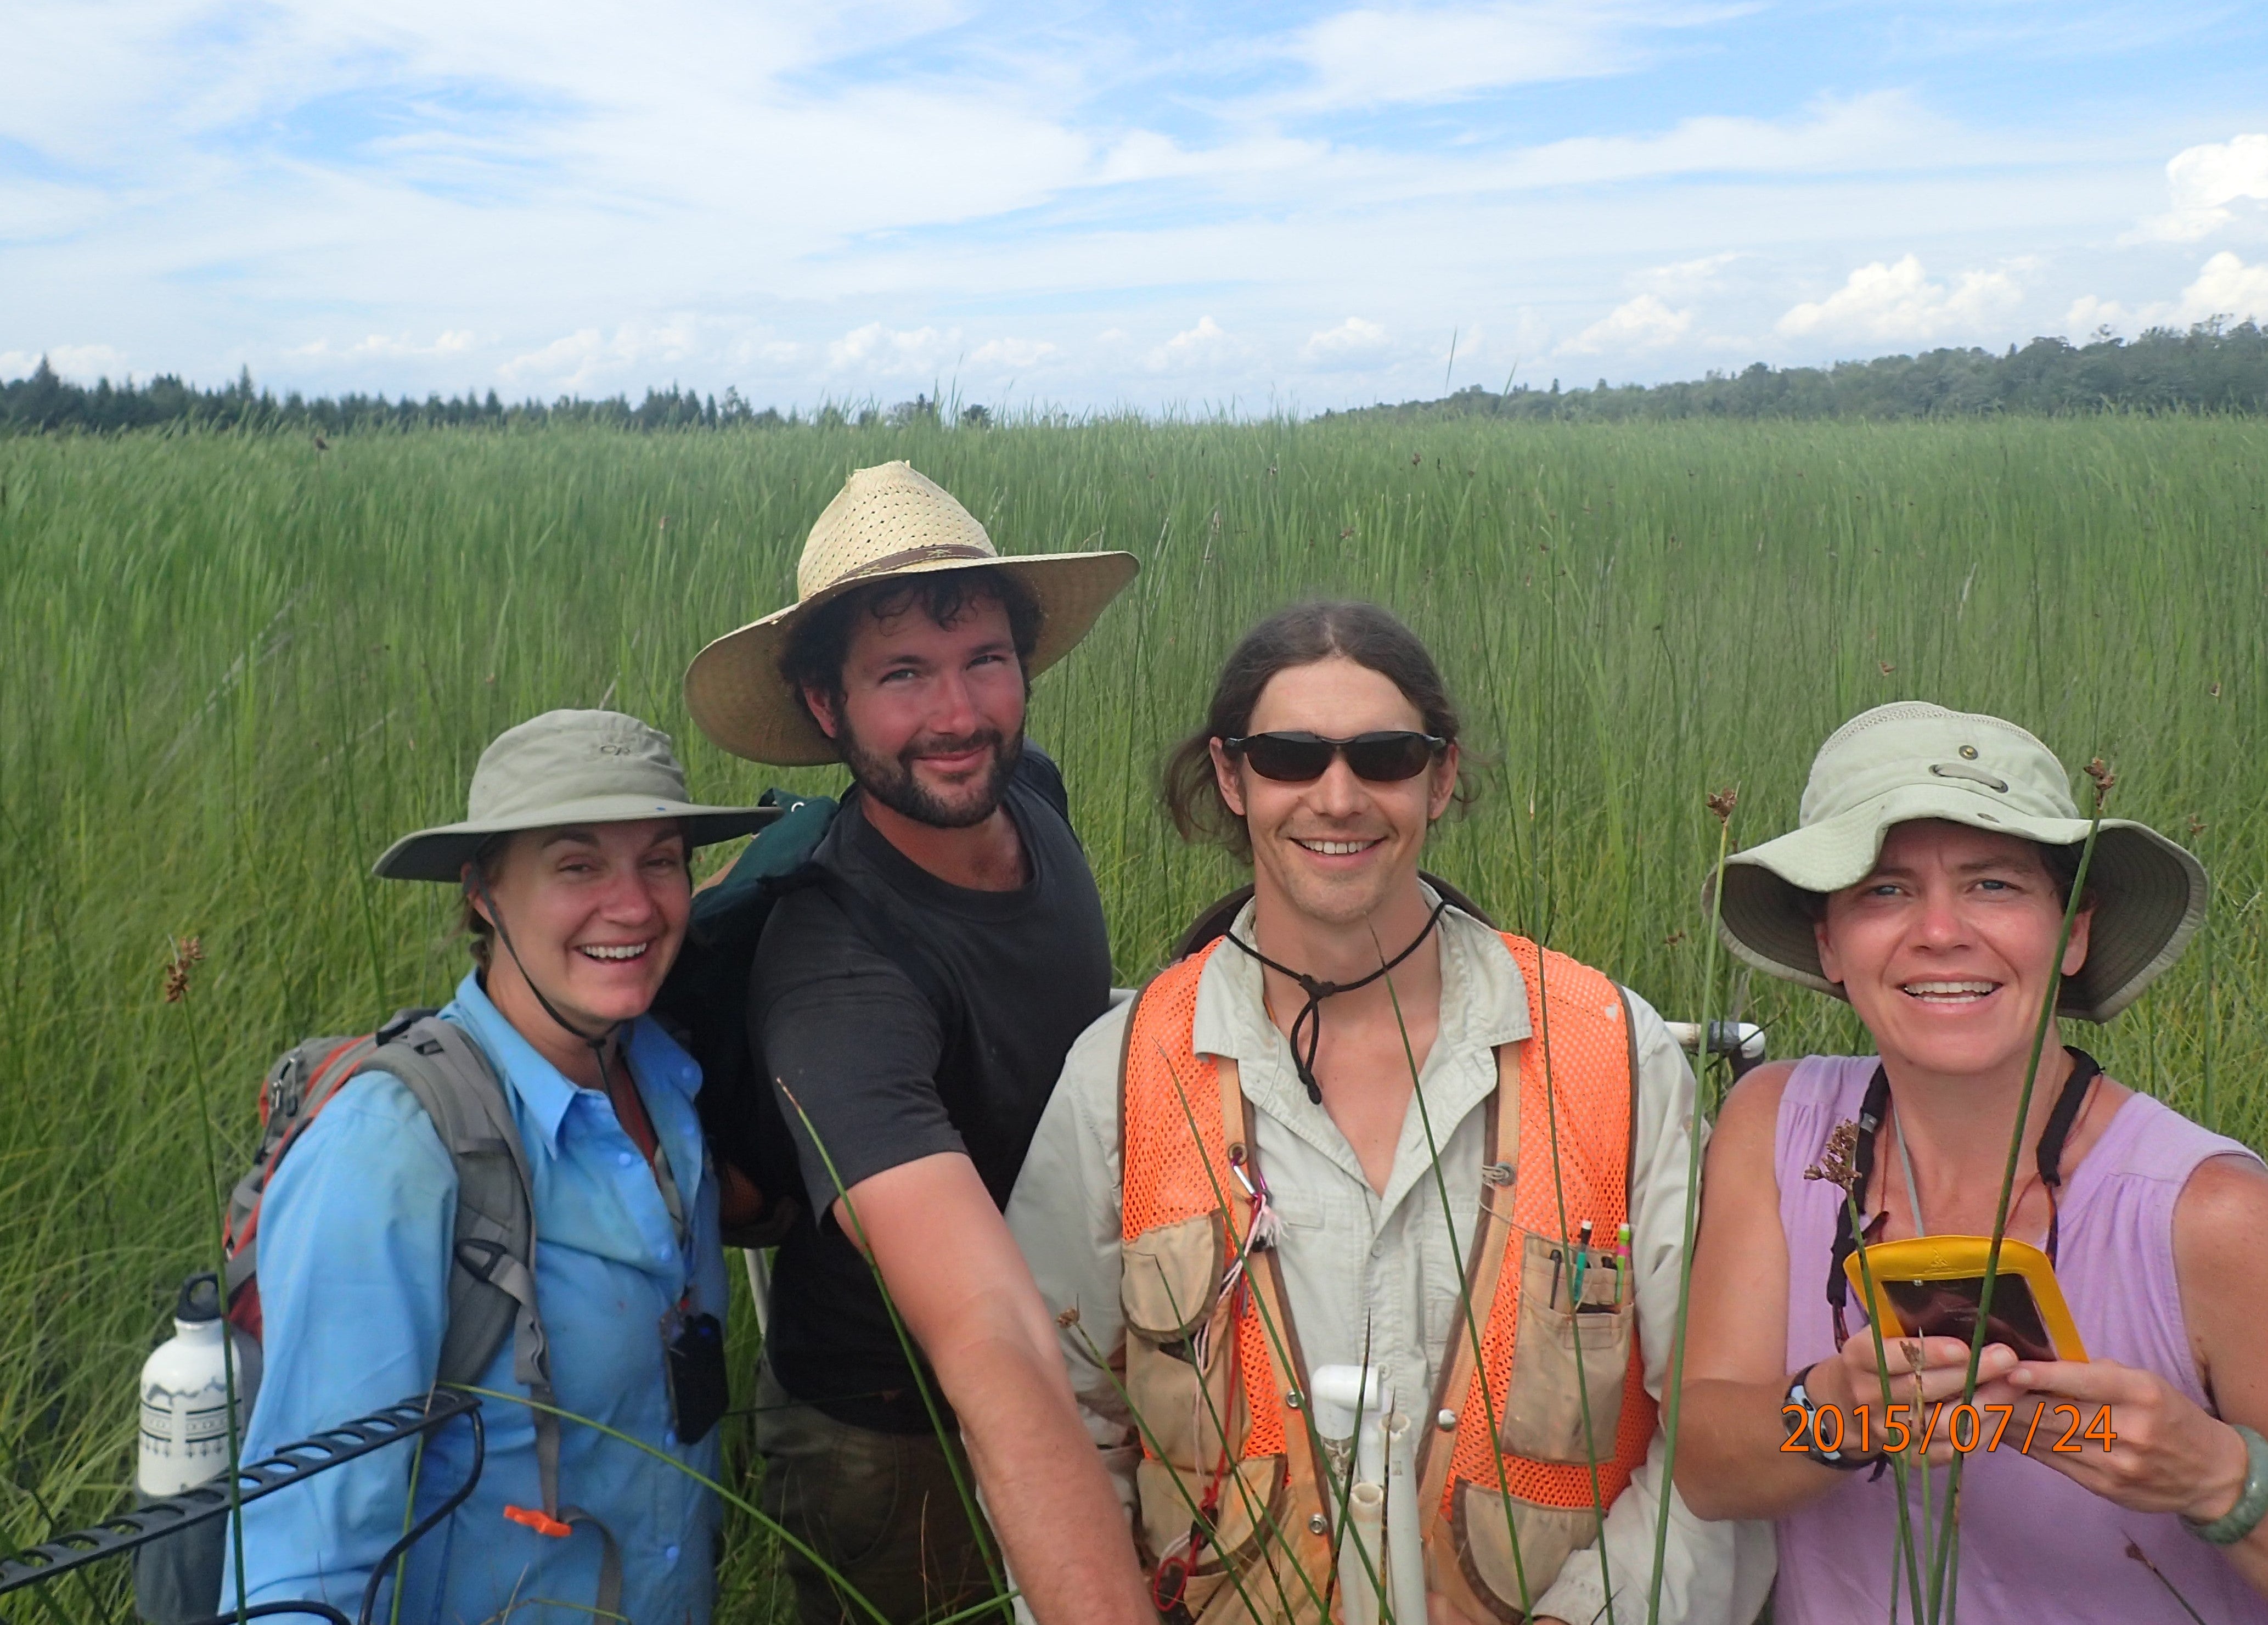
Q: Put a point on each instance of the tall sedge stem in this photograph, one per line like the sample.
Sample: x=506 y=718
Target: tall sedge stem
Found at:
x=1278 y=1344
x=915 y=1358
x=1568 y=1238
x=1905 y=1552
x=186 y=953
x=738 y=1503
x=2103 y=780
x=1722 y=804
x=1470 y=1322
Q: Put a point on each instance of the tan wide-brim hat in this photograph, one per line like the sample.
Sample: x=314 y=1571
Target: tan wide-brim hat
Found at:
x=566 y=767
x=1908 y=761
x=886 y=522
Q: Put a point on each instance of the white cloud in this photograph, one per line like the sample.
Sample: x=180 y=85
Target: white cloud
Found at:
x=1352 y=343
x=1013 y=355
x=383 y=347
x=81 y=364
x=1367 y=56
x=2088 y=314
x=585 y=359
x=2226 y=286
x=1897 y=304
x=2204 y=181
x=1146 y=155
x=889 y=352
x=1686 y=277
x=1204 y=345
x=1644 y=323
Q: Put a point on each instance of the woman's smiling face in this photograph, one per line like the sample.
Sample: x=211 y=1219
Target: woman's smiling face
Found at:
x=1944 y=948
x=596 y=913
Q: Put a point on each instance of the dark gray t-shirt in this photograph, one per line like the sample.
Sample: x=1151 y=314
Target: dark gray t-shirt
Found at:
x=884 y=1080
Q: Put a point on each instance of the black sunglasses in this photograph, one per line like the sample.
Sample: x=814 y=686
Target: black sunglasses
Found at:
x=1384 y=758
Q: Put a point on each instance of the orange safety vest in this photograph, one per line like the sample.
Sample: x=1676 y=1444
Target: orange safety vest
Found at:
x=1212 y=1362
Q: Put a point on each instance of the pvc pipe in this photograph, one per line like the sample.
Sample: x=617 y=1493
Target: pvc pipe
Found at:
x=1337 y=1393
x=1742 y=1039
x=1405 y=1557
x=1363 y=1555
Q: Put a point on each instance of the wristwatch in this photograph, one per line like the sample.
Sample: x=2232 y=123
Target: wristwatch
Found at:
x=2251 y=1503
x=1841 y=1461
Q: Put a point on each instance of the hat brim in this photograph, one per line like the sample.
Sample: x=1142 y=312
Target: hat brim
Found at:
x=736 y=696
x=442 y=852
x=2149 y=893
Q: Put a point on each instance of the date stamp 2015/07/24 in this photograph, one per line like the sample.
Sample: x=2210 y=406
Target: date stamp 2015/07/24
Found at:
x=1966 y=1427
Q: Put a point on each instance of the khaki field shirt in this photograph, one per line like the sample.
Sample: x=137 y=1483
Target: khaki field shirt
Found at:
x=1362 y=1270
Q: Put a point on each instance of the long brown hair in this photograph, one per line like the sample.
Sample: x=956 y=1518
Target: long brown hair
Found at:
x=1299 y=635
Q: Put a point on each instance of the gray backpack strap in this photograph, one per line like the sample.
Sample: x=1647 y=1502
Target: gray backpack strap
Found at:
x=492 y=1290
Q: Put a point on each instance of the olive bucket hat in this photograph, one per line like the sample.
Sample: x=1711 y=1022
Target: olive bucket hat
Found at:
x=567 y=767
x=889 y=522
x=1909 y=760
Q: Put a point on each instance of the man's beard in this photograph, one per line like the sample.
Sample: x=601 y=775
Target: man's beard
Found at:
x=890 y=779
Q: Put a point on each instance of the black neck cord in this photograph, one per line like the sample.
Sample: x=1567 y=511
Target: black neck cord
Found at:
x=2047 y=1158
x=598 y=1045
x=1311 y=1014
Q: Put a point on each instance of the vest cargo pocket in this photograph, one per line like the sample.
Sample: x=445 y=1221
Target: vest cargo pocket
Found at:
x=1169 y=1281
x=1546 y=1535
x=1543 y=1411
x=1241 y=1550
x=1167 y=1278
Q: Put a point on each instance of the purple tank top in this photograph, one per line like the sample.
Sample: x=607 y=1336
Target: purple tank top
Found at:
x=2034 y=1545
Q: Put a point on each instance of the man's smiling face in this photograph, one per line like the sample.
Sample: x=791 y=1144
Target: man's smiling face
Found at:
x=1944 y=949
x=1336 y=847
x=930 y=719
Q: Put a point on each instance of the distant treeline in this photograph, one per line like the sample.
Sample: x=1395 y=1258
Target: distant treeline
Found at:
x=44 y=402
x=2213 y=367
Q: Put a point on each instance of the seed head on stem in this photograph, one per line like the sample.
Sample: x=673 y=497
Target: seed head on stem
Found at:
x=1837 y=1162
x=185 y=952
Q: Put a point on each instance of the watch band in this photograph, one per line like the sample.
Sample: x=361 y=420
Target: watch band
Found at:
x=1841 y=1461
x=2251 y=1503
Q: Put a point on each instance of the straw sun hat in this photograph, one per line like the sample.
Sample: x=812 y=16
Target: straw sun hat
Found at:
x=1910 y=760
x=567 y=767
x=887 y=523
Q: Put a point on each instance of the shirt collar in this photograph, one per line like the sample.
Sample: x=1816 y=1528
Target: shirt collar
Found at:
x=547 y=1092
x=1483 y=1002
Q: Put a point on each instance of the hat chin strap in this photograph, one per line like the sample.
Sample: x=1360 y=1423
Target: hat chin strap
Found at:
x=598 y=1045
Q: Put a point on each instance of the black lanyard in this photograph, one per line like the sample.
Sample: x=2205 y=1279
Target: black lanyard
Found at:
x=2084 y=1070
x=1311 y=1014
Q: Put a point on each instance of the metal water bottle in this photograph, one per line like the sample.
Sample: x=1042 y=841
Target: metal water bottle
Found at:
x=185 y=1394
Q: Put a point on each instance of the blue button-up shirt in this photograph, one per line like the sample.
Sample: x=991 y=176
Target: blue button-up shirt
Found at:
x=354 y=1242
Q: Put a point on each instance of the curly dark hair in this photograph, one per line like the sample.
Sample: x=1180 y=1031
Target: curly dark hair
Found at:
x=1299 y=635
x=816 y=650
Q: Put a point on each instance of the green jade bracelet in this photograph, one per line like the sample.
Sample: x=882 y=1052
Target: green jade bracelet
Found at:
x=2241 y=1519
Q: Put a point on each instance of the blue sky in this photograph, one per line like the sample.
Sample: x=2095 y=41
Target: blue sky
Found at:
x=1263 y=207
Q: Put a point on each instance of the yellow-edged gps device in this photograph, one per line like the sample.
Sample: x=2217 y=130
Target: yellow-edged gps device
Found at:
x=1930 y=1286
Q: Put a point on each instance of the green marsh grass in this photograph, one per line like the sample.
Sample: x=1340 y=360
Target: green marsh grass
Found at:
x=235 y=667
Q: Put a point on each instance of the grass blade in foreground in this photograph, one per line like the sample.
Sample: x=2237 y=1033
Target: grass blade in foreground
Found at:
x=738 y=1502
x=1721 y=803
x=1464 y=1297
x=961 y=1487
x=186 y=953
x=1940 y=1568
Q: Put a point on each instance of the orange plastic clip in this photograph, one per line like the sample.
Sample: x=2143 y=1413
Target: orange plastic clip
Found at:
x=541 y=1521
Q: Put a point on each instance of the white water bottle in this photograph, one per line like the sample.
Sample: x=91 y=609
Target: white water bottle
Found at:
x=185 y=1394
